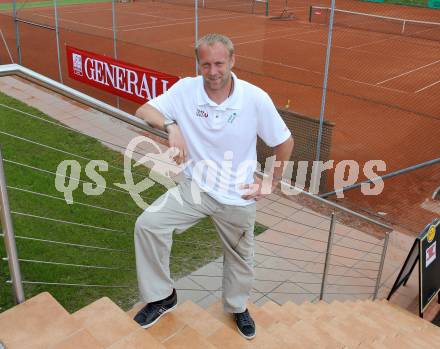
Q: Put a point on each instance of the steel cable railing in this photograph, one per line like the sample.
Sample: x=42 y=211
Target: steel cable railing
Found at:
x=69 y=264
x=69 y=244
x=313 y=214
x=76 y=202
x=214 y=247
x=68 y=222
x=76 y=131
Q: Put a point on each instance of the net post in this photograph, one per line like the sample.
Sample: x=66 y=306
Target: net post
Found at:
x=17 y=30
x=310 y=13
x=267 y=8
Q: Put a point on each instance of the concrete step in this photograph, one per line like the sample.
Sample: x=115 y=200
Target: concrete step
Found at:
x=293 y=339
x=288 y=317
x=313 y=331
x=137 y=339
x=186 y=338
x=364 y=312
x=80 y=339
x=198 y=318
x=305 y=310
x=40 y=322
x=168 y=325
x=106 y=322
x=263 y=340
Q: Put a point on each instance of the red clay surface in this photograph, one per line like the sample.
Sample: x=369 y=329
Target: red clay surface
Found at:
x=383 y=89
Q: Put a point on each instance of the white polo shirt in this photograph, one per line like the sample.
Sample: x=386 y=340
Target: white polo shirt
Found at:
x=222 y=138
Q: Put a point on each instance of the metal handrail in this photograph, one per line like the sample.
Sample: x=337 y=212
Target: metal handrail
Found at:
x=381 y=178
x=39 y=79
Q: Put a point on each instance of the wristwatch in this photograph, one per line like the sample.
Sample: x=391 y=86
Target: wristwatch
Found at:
x=168 y=122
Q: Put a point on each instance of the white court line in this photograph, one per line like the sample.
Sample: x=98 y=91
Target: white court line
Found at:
x=424 y=88
x=278 y=63
x=408 y=72
x=253 y=34
x=268 y=32
x=312 y=42
x=372 y=85
x=168 y=18
x=189 y=22
x=76 y=22
x=147 y=15
x=422 y=31
x=316 y=72
x=369 y=43
x=396 y=37
x=82 y=10
x=280 y=37
x=343 y=48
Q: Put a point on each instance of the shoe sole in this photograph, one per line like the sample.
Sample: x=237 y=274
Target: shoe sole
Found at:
x=152 y=323
x=244 y=336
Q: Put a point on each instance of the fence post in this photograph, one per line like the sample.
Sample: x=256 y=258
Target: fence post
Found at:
x=324 y=88
x=196 y=29
x=115 y=51
x=382 y=261
x=9 y=237
x=327 y=255
x=17 y=30
x=57 y=33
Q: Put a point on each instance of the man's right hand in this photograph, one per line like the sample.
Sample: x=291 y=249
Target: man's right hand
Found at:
x=176 y=141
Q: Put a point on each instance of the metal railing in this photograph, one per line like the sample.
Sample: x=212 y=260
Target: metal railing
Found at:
x=324 y=268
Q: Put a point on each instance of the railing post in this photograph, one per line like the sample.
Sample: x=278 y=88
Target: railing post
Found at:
x=382 y=261
x=327 y=255
x=8 y=233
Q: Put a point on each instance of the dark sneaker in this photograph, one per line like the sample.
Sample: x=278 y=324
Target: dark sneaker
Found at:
x=152 y=312
x=245 y=324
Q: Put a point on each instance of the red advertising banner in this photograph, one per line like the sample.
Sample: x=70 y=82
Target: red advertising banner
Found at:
x=122 y=79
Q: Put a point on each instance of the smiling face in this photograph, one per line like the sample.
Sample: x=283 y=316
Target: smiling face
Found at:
x=215 y=65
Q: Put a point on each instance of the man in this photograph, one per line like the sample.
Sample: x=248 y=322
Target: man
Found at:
x=213 y=121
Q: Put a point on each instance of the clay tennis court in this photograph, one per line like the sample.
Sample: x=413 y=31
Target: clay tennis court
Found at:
x=383 y=88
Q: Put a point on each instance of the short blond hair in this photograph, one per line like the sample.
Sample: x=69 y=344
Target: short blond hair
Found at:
x=211 y=39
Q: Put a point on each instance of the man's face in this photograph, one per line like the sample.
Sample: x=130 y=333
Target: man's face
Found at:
x=215 y=66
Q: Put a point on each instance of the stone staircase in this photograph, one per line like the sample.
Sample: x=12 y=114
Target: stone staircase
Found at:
x=41 y=322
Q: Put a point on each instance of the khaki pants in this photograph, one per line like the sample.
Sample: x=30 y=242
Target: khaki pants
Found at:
x=153 y=240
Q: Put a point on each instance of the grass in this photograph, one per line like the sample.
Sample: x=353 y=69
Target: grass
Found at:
x=25 y=178
x=50 y=3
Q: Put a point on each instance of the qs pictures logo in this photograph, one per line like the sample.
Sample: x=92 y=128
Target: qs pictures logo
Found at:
x=141 y=150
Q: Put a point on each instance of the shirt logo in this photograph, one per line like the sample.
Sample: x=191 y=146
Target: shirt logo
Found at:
x=232 y=117
x=202 y=113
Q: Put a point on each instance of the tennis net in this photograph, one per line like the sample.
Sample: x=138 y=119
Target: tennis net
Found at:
x=376 y=23
x=258 y=7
